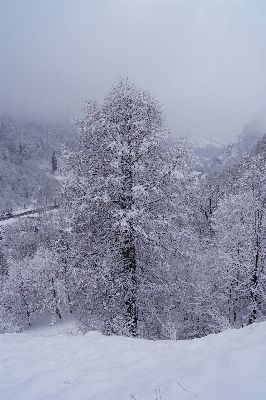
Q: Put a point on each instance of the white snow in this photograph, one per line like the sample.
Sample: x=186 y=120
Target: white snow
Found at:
x=55 y=364
x=18 y=211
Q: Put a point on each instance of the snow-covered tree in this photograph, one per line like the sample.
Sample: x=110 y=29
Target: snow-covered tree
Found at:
x=127 y=194
x=34 y=286
x=240 y=233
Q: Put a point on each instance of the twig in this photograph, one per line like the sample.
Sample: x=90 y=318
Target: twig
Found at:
x=186 y=390
x=158 y=393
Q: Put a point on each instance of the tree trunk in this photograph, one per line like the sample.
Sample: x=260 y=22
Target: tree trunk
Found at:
x=56 y=301
x=255 y=277
x=130 y=265
x=129 y=250
x=25 y=302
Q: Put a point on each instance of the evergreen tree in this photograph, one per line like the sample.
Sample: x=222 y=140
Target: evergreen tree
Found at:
x=54 y=162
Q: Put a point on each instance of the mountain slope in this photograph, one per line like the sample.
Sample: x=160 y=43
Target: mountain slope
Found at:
x=29 y=156
x=51 y=363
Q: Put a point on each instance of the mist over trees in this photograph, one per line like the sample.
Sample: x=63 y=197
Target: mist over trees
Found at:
x=143 y=244
x=29 y=154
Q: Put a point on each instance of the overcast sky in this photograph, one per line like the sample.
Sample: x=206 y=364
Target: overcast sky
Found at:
x=205 y=61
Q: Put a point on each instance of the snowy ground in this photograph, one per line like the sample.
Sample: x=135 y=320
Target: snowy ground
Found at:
x=53 y=364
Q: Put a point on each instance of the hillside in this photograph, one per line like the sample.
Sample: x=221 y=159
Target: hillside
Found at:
x=56 y=363
x=29 y=158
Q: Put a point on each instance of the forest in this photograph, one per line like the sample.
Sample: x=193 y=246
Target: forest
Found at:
x=133 y=233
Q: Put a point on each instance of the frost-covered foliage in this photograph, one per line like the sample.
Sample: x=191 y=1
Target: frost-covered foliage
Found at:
x=35 y=286
x=240 y=233
x=33 y=278
x=141 y=247
x=128 y=197
x=235 y=204
x=27 y=159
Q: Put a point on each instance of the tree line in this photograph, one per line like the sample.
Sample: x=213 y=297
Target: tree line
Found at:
x=142 y=246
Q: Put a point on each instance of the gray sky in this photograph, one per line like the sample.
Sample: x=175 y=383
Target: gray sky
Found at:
x=205 y=61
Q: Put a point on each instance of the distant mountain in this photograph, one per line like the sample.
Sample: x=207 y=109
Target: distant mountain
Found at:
x=211 y=153
x=206 y=141
x=251 y=134
x=207 y=149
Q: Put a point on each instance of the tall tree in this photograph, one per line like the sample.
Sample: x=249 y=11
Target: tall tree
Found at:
x=240 y=226
x=127 y=194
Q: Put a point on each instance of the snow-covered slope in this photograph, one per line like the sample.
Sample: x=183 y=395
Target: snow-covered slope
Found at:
x=206 y=141
x=52 y=364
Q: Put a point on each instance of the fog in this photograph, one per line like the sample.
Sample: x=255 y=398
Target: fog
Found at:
x=205 y=61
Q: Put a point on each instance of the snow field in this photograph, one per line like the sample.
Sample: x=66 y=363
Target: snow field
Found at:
x=53 y=364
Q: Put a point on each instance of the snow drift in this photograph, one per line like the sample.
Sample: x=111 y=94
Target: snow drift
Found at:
x=57 y=364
